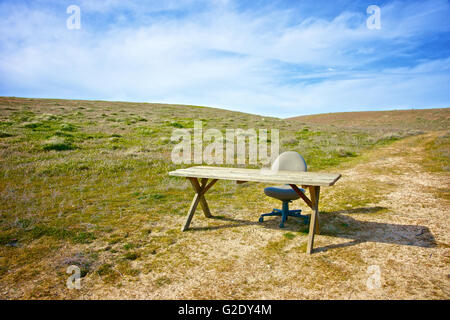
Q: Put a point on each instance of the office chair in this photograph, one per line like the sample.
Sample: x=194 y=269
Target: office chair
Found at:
x=291 y=161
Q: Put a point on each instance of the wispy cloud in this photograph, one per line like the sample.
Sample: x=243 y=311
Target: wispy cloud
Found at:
x=279 y=60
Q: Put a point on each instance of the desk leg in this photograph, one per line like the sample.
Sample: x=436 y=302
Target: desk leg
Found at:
x=191 y=212
x=203 y=202
x=314 y=223
x=199 y=197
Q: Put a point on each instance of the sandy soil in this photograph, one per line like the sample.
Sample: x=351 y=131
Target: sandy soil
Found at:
x=395 y=248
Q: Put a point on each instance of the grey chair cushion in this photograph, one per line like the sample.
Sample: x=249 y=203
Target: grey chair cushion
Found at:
x=292 y=161
x=283 y=193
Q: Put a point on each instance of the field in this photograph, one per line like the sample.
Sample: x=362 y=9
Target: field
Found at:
x=85 y=183
x=395 y=120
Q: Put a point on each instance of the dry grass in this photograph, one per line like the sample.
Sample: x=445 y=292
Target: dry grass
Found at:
x=395 y=120
x=108 y=206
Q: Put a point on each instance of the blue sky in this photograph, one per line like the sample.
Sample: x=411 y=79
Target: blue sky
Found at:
x=279 y=58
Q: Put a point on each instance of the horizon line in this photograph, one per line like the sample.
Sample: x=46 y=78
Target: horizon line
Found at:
x=231 y=110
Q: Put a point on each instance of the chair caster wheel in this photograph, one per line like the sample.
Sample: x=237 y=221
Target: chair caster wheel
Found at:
x=261 y=219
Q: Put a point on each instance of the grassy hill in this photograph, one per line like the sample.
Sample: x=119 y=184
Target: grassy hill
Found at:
x=399 y=120
x=85 y=183
x=97 y=128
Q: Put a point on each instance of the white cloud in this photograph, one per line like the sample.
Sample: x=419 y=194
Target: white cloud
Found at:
x=256 y=62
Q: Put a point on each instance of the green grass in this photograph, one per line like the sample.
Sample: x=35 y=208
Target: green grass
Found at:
x=93 y=175
x=131 y=255
x=289 y=235
x=5 y=135
x=439 y=150
x=37 y=231
x=105 y=269
x=161 y=281
x=58 y=145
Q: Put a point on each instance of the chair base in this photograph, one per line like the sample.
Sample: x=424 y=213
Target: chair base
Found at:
x=284 y=213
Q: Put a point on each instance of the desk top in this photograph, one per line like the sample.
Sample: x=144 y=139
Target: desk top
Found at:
x=259 y=175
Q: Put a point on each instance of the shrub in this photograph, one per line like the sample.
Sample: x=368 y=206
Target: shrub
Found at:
x=131 y=255
x=48 y=117
x=176 y=125
x=57 y=144
x=32 y=125
x=68 y=127
x=5 y=135
x=345 y=153
x=105 y=269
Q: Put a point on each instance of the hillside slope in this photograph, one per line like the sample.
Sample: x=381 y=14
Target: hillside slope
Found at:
x=413 y=119
x=85 y=183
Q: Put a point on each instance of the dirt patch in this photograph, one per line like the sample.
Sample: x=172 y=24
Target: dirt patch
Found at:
x=403 y=235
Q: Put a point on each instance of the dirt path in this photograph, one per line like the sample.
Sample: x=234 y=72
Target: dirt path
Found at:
x=385 y=235
x=413 y=221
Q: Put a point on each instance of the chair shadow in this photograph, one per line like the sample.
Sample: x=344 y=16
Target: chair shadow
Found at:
x=336 y=224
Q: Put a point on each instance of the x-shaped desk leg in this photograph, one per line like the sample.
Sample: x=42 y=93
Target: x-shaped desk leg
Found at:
x=199 y=197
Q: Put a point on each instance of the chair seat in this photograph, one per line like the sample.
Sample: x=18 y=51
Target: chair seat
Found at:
x=283 y=193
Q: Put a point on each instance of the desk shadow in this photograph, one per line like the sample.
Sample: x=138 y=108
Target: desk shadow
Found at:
x=340 y=224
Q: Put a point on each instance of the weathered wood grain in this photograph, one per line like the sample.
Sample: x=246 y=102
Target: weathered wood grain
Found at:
x=258 y=175
x=314 y=221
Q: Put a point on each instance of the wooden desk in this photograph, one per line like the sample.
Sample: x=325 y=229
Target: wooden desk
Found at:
x=308 y=180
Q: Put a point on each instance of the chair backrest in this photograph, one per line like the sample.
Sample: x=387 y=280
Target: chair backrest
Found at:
x=289 y=160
